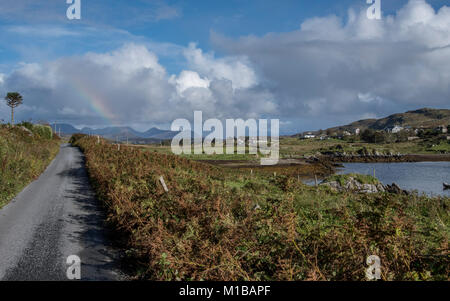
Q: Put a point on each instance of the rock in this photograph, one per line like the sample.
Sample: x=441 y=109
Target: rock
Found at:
x=29 y=133
x=380 y=188
x=394 y=188
x=368 y=188
x=354 y=185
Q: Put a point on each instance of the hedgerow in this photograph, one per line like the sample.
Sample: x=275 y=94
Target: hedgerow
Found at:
x=23 y=157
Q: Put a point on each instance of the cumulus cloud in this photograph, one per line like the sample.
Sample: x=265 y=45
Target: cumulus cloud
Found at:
x=348 y=69
x=235 y=69
x=189 y=79
x=130 y=86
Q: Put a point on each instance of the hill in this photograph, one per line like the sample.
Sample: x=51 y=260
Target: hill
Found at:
x=422 y=118
x=159 y=134
x=153 y=135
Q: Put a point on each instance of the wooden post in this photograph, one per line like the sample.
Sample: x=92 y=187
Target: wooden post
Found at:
x=161 y=179
x=374 y=172
x=315 y=178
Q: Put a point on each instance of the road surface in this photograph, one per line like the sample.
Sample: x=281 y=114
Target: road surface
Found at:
x=52 y=218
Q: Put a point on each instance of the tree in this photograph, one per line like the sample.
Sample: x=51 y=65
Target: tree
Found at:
x=368 y=136
x=13 y=100
x=372 y=136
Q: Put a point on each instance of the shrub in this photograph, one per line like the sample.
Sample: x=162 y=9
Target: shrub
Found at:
x=44 y=131
x=22 y=159
x=75 y=137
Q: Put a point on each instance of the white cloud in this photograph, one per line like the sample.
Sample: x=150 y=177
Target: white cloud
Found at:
x=189 y=79
x=346 y=69
x=43 y=31
x=129 y=59
x=130 y=86
x=235 y=69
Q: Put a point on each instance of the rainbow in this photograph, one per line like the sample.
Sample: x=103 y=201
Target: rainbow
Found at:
x=93 y=100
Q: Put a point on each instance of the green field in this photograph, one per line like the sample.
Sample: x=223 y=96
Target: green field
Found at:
x=297 y=148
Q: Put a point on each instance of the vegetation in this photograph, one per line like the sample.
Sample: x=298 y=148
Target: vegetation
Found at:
x=13 y=100
x=25 y=151
x=363 y=179
x=293 y=147
x=222 y=224
x=422 y=118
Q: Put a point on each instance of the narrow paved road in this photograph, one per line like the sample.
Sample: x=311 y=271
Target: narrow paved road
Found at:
x=54 y=217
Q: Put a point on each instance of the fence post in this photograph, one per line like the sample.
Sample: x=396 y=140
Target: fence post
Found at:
x=161 y=179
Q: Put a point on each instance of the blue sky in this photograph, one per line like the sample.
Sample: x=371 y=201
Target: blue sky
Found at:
x=106 y=24
x=227 y=35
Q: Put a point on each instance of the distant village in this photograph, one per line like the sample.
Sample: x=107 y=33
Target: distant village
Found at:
x=408 y=133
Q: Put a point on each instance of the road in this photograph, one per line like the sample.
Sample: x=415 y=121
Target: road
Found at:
x=52 y=218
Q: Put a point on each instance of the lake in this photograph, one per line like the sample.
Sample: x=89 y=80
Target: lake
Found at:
x=426 y=177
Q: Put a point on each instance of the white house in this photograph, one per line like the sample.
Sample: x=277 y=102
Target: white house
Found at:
x=396 y=129
x=309 y=135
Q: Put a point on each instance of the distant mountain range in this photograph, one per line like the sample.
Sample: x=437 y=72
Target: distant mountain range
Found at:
x=422 y=118
x=118 y=133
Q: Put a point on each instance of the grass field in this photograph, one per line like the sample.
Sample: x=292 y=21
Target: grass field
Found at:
x=223 y=224
x=296 y=148
x=23 y=157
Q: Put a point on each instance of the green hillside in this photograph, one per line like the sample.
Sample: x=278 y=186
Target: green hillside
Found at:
x=426 y=118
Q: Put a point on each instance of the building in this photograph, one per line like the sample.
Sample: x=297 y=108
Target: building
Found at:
x=346 y=133
x=395 y=129
x=357 y=131
x=309 y=135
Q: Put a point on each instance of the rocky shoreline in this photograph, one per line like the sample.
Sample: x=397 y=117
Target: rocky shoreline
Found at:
x=352 y=184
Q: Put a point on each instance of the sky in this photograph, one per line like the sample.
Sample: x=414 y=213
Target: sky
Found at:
x=144 y=63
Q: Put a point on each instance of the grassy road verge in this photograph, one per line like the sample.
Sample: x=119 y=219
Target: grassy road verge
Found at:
x=24 y=155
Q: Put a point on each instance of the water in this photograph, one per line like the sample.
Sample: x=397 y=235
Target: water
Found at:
x=425 y=177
